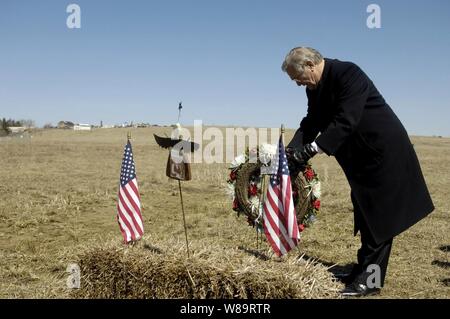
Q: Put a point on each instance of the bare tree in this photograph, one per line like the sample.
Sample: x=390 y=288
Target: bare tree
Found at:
x=27 y=123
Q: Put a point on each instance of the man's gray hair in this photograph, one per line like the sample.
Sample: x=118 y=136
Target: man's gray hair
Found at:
x=297 y=58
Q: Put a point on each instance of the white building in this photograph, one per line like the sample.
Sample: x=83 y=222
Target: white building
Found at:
x=82 y=127
x=17 y=129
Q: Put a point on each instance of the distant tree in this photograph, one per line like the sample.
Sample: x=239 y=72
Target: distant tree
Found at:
x=48 y=125
x=27 y=123
x=4 y=130
x=11 y=122
x=5 y=124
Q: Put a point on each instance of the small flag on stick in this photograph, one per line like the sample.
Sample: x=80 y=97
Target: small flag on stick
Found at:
x=280 y=221
x=129 y=202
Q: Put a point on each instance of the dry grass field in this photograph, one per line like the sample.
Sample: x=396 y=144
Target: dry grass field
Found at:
x=58 y=193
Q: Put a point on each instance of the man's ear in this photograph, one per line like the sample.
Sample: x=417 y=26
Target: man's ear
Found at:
x=309 y=64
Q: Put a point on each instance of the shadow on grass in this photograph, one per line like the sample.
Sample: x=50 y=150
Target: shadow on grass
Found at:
x=153 y=249
x=442 y=264
x=445 y=248
x=255 y=253
x=334 y=269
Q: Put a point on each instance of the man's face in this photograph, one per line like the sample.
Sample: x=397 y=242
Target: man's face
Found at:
x=306 y=78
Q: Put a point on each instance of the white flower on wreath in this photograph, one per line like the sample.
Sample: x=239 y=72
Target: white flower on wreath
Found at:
x=230 y=191
x=254 y=203
x=238 y=161
x=316 y=189
x=267 y=152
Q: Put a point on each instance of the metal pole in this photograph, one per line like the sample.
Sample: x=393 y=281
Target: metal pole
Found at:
x=261 y=195
x=184 y=219
x=282 y=139
x=256 y=227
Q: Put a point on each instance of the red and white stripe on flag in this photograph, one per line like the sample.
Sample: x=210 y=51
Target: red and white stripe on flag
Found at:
x=279 y=218
x=129 y=203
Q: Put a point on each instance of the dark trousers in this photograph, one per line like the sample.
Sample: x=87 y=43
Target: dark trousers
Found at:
x=371 y=252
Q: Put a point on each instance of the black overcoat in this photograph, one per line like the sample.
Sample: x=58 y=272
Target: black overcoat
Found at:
x=371 y=145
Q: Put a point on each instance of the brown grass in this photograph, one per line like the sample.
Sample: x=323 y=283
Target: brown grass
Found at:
x=57 y=206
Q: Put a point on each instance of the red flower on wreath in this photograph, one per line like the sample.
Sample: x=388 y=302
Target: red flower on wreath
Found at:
x=301 y=227
x=252 y=190
x=309 y=174
x=233 y=175
x=316 y=204
x=235 y=204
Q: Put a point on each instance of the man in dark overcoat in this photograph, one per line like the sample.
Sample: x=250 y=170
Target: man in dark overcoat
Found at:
x=349 y=119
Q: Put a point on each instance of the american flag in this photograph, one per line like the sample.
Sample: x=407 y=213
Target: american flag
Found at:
x=129 y=203
x=280 y=221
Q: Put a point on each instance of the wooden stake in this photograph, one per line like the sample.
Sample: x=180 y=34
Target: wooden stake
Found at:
x=184 y=219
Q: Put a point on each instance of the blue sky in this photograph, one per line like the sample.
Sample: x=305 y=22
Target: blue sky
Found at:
x=135 y=60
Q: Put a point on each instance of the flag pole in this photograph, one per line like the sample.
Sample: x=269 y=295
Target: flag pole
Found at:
x=132 y=242
x=262 y=198
x=282 y=131
x=282 y=138
x=259 y=210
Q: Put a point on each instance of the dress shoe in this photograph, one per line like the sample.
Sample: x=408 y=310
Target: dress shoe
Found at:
x=344 y=277
x=347 y=277
x=356 y=289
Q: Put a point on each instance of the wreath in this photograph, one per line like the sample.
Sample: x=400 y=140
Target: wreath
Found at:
x=245 y=187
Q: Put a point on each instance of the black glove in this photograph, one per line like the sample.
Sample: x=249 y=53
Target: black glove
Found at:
x=298 y=158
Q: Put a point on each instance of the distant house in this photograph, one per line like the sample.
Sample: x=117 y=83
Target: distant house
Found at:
x=66 y=125
x=82 y=127
x=17 y=129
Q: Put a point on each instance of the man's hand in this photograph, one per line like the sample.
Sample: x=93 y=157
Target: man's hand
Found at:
x=298 y=158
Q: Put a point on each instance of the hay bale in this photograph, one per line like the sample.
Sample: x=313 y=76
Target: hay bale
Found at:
x=114 y=271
